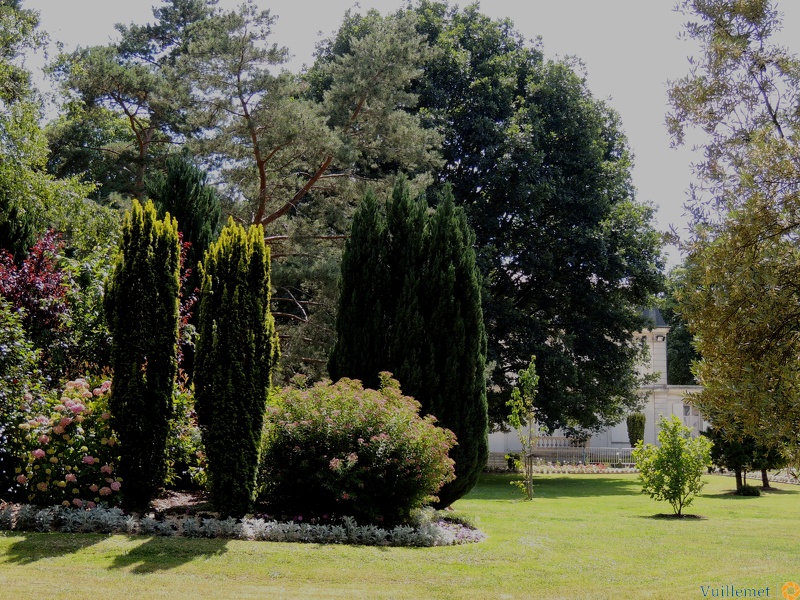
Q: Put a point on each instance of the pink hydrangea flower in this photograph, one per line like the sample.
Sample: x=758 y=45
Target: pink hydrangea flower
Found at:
x=105 y=386
x=38 y=453
x=43 y=439
x=106 y=469
x=105 y=416
x=93 y=488
x=89 y=459
x=71 y=477
x=65 y=421
x=115 y=485
x=97 y=392
x=91 y=504
x=78 y=502
x=58 y=430
x=105 y=491
x=77 y=408
x=21 y=479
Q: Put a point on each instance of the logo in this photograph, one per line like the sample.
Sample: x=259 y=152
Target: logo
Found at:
x=791 y=590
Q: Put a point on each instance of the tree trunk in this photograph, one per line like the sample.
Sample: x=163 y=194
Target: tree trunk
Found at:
x=739 y=483
x=765 y=480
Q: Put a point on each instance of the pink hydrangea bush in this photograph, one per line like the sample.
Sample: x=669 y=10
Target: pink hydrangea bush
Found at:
x=72 y=452
x=338 y=450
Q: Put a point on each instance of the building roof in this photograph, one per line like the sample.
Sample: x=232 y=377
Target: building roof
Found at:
x=654 y=316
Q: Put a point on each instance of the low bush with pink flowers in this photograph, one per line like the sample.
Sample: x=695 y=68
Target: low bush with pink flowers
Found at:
x=338 y=450
x=72 y=453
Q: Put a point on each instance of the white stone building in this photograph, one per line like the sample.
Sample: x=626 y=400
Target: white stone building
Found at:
x=661 y=399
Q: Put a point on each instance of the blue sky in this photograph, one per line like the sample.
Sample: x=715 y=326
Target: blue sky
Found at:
x=630 y=49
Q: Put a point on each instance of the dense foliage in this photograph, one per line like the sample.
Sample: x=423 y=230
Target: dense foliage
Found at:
x=743 y=455
x=673 y=470
x=543 y=172
x=415 y=270
x=236 y=353
x=339 y=450
x=740 y=295
x=18 y=378
x=141 y=305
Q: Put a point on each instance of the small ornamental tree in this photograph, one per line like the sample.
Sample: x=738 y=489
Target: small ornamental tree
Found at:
x=141 y=304
x=636 y=422
x=673 y=470
x=522 y=419
x=236 y=351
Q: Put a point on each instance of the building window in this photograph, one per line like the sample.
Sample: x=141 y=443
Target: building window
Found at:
x=687 y=410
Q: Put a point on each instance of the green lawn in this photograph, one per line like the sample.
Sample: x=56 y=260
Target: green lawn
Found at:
x=583 y=537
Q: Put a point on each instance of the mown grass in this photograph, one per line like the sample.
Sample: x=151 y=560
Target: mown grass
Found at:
x=582 y=537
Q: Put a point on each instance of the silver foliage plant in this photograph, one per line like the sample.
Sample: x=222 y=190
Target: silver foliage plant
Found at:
x=426 y=528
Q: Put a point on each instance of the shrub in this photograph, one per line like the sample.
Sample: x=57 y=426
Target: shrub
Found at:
x=636 y=422
x=18 y=379
x=141 y=305
x=339 y=450
x=72 y=454
x=673 y=472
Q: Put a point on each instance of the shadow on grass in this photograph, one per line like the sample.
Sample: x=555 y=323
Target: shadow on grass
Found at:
x=163 y=553
x=38 y=546
x=674 y=517
x=496 y=486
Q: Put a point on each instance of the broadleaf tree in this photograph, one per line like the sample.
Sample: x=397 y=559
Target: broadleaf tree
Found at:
x=740 y=296
x=568 y=255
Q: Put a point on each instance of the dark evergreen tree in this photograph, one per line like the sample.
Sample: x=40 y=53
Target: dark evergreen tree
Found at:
x=236 y=352
x=418 y=314
x=450 y=382
x=361 y=324
x=183 y=191
x=141 y=305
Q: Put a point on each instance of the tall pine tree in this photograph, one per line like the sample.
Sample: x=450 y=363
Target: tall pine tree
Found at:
x=411 y=304
x=236 y=352
x=141 y=305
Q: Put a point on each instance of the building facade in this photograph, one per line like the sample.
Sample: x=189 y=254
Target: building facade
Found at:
x=660 y=400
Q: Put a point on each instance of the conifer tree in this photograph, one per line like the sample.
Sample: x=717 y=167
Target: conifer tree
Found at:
x=183 y=191
x=360 y=350
x=141 y=305
x=236 y=352
x=417 y=313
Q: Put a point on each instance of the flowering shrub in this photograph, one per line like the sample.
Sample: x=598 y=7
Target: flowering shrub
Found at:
x=72 y=452
x=339 y=450
x=186 y=459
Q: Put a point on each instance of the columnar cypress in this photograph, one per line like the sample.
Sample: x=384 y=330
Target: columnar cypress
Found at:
x=141 y=305
x=452 y=383
x=236 y=352
x=417 y=313
x=360 y=350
